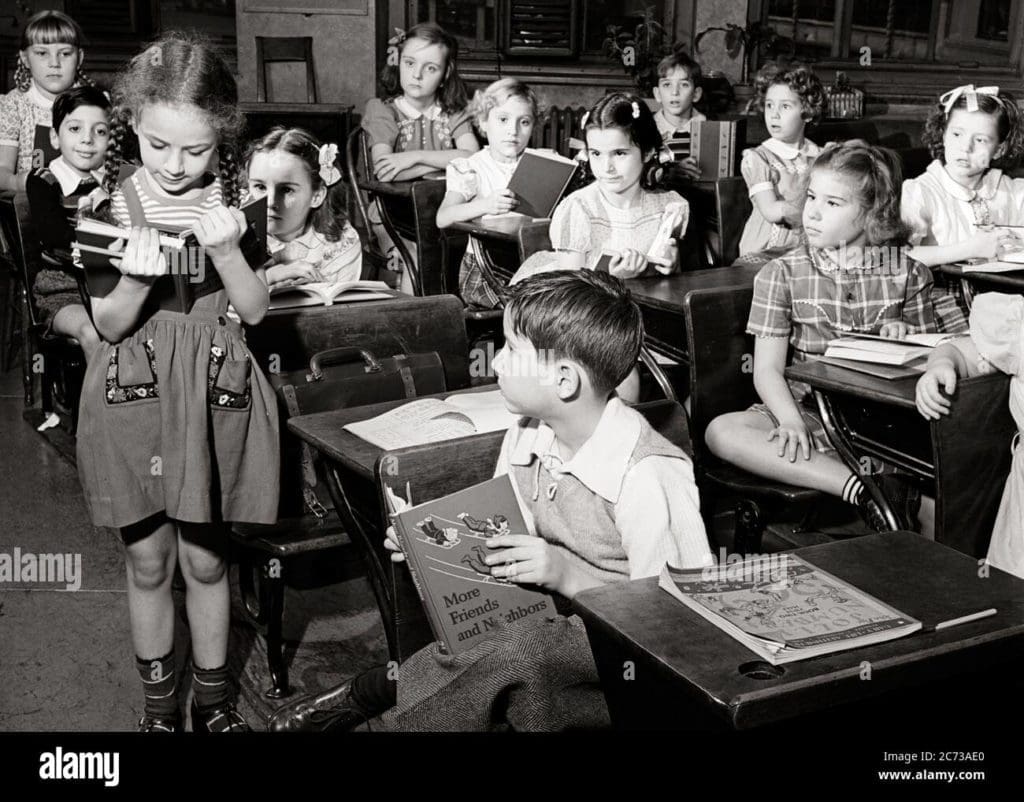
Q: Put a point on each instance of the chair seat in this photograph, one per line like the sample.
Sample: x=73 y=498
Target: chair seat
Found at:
x=750 y=485
x=291 y=536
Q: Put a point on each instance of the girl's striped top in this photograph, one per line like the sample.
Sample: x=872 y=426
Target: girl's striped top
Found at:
x=165 y=211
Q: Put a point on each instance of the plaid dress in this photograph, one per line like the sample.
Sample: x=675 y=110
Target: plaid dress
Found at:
x=808 y=297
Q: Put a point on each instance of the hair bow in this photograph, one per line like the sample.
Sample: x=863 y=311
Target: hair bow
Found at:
x=398 y=38
x=665 y=155
x=949 y=99
x=329 y=171
x=636 y=110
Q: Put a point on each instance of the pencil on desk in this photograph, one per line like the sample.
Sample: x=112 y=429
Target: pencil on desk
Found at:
x=964 y=619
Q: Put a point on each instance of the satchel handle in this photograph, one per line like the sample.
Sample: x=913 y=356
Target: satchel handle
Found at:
x=338 y=356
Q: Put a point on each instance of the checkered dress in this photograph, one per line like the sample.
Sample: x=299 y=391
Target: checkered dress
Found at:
x=807 y=297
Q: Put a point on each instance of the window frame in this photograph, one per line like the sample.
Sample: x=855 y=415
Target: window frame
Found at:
x=886 y=79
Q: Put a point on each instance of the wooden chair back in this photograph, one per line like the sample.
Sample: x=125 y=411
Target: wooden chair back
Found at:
x=277 y=49
x=533 y=237
x=721 y=357
x=732 y=210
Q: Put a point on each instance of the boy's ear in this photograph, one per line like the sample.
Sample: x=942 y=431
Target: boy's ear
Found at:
x=568 y=379
x=698 y=93
x=318 y=197
x=54 y=140
x=656 y=91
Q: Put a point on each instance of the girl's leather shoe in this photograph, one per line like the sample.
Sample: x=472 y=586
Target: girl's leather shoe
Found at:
x=225 y=718
x=161 y=723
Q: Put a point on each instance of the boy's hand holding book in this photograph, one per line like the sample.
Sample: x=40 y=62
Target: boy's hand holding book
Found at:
x=391 y=544
x=526 y=559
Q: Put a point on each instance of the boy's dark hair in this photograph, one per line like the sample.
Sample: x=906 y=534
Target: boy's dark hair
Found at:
x=631 y=114
x=329 y=217
x=798 y=77
x=1008 y=121
x=877 y=175
x=452 y=94
x=76 y=97
x=582 y=315
x=680 y=58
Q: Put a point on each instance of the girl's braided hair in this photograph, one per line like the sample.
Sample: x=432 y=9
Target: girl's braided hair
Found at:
x=178 y=70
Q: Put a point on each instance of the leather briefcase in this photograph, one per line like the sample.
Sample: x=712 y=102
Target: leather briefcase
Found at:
x=339 y=378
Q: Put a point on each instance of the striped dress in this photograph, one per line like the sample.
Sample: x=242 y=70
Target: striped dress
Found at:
x=176 y=418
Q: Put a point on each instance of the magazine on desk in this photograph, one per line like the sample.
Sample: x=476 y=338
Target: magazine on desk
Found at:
x=445 y=543
x=783 y=608
x=430 y=420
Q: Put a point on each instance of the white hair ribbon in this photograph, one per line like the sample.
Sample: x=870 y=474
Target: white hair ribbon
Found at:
x=636 y=110
x=329 y=171
x=949 y=99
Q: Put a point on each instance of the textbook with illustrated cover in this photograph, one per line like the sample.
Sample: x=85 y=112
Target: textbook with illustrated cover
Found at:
x=445 y=543
x=783 y=608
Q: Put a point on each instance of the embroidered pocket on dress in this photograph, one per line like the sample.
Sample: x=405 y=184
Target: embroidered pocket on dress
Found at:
x=131 y=374
x=229 y=385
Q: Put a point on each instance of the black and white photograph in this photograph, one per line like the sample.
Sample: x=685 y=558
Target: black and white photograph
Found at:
x=424 y=390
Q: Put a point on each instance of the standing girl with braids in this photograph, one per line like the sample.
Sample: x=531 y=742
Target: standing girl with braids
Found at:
x=49 y=63
x=178 y=432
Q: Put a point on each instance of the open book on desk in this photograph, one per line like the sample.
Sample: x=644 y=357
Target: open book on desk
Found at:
x=445 y=544
x=326 y=293
x=1010 y=263
x=783 y=608
x=429 y=420
x=882 y=351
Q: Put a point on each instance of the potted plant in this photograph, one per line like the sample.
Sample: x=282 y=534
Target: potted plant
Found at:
x=639 y=50
x=755 y=40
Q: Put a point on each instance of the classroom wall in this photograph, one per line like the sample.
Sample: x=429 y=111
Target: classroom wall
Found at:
x=717 y=13
x=344 y=50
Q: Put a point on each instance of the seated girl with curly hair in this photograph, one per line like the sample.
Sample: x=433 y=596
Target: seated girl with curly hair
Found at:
x=777 y=170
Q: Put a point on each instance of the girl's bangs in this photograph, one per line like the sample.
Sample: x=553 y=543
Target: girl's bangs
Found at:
x=51 y=31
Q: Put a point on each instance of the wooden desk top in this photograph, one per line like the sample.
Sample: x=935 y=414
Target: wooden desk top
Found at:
x=822 y=376
x=669 y=292
x=394 y=189
x=326 y=433
x=505 y=229
x=1012 y=281
x=903 y=569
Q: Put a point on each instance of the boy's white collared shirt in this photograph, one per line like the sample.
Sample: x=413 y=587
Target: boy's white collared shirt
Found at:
x=657 y=507
x=667 y=129
x=68 y=177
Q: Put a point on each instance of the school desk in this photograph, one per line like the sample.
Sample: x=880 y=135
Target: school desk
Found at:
x=663 y=666
x=965 y=456
x=353 y=467
x=410 y=209
x=974 y=283
x=661 y=302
